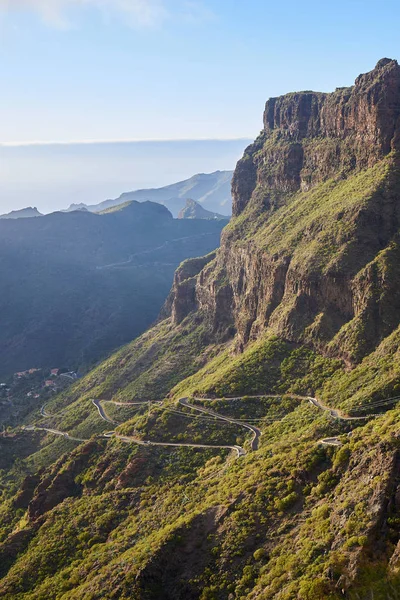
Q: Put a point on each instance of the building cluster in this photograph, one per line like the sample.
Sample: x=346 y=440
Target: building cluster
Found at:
x=21 y=374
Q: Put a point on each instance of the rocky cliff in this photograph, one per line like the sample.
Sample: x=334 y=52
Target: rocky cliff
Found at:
x=317 y=207
x=309 y=136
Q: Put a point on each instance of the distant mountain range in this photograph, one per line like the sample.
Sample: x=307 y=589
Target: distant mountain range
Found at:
x=77 y=285
x=22 y=214
x=211 y=190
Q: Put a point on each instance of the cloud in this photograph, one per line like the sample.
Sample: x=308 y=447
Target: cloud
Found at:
x=142 y=13
x=146 y=13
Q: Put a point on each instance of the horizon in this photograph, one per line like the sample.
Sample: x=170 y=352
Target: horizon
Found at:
x=95 y=76
x=51 y=177
x=169 y=69
x=115 y=141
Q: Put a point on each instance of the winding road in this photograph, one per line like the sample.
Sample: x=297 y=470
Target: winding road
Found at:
x=336 y=414
x=54 y=432
x=102 y=412
x=111 y=434
x=238 y=449
x=331 y=441
x=129 y=440
x=256 y=432
x=150 y=250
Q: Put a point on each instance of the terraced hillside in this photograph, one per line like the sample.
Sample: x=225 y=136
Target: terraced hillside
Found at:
x=247 y=446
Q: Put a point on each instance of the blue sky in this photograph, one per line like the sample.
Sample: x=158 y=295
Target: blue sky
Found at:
x=175 y=69
x=112 y=70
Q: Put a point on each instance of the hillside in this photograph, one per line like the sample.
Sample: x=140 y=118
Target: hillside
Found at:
x=247 y=446
x=24 y=213
x=194 y=210
x=78 y=285
x=211 y=190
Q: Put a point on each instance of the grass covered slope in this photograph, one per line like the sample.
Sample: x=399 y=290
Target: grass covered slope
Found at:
x=292 y=520
x=322 y=267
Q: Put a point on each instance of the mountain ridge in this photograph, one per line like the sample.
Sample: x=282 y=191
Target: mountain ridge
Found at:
x=75 y=307
x=194 y=210
x=212 y=190
x=23 y=213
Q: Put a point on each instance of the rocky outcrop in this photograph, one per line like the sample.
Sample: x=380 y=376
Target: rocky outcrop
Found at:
x=182 y=299
x=14 y=545
x=328 y=284
x=27 y=490
x=170 y=573
x=309 y=136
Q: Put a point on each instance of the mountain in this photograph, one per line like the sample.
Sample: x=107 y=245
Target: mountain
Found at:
x=77 y=285
x=211 y=190
x=74 y=207
x=85 y=173
x=22 y=214
x=254 y=450
x=194 y=210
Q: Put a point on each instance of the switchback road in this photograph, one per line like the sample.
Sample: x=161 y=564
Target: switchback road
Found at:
x=256 y=432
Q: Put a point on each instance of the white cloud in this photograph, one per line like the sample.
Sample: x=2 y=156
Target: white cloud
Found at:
x=146 y=13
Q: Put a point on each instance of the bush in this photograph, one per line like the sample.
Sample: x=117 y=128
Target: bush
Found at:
x=286 y=502
x=260 y=553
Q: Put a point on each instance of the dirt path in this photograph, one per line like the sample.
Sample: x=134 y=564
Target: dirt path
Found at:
x=256 y=432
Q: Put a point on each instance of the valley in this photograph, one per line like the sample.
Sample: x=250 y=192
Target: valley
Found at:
x=90 y=282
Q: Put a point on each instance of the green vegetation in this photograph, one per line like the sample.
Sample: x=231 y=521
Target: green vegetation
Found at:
x=269 y=365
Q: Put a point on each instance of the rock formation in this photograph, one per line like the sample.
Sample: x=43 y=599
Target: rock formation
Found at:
x=316 y=152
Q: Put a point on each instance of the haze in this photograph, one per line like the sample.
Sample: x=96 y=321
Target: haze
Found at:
x=52 y=177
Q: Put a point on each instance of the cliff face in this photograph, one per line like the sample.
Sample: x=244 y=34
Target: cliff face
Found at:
x=317 y=198
x=308 y=136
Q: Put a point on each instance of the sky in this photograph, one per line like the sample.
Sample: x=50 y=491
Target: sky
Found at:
x=53 y=176
x=117 y=70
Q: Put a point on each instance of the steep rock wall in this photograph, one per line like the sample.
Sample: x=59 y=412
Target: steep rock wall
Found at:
x=309 y=138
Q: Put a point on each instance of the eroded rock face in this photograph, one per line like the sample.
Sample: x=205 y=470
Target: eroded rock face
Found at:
x=182 y=299
x=309 y=138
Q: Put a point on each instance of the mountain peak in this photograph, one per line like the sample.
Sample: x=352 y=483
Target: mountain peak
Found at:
x=309 y=137
x=385 y=61
x=194 y=210
x=23 y=213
